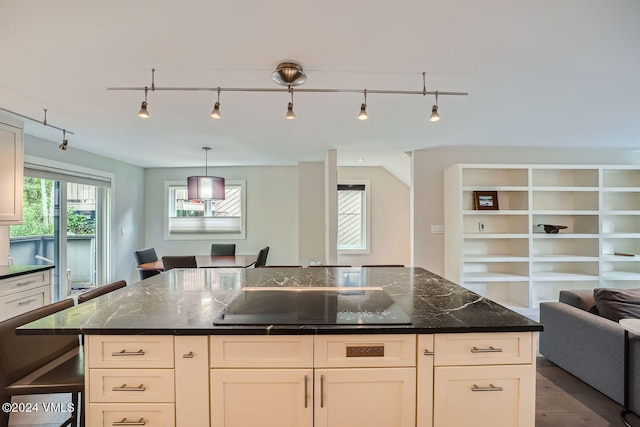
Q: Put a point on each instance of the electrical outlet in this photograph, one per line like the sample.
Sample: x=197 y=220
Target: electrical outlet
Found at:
x=437 y=229
x=481 y=226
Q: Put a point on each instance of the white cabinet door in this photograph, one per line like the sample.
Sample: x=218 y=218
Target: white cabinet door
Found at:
x=261 y=397
x=192 y=383
x=11 y=172
x=484 y=396
x=372 y=397
x=424 y=389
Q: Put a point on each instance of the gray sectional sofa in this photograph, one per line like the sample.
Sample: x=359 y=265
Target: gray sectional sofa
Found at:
x=589 y=346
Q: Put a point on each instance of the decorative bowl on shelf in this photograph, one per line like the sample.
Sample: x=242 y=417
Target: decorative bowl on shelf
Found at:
x=552 y=229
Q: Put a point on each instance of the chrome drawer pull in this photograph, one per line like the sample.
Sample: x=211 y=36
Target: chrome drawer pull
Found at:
x=306 y=390
x=490 y=388
x=124 y=422
x=322 y=391
x=491 y=349
x=29 y=301
x=188 y=355
x=124 y=387
x=428 y=353
x=28 y=282
x=128 y=353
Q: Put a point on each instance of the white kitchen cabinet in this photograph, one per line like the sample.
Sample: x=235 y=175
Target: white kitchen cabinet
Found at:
x=19 y=294
x=505 y=254
x=192 y=385
x=11 y=173
x=483 y=379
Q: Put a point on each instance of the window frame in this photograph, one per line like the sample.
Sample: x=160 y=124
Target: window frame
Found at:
x=366 y=248
x=168 y=185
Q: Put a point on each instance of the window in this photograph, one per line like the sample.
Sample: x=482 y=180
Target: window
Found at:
x=205 y=219
x=353 y=218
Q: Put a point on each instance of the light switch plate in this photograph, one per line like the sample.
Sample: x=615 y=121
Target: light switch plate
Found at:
x=437 y=229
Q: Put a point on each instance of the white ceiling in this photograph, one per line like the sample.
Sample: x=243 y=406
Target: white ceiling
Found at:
x=544 y=73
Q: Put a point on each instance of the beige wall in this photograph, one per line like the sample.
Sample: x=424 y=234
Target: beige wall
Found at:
x=311 y=223
x=427 y=196
x=390 y=217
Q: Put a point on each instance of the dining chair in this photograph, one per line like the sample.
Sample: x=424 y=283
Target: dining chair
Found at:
x=143 y=256
x=261 y=260
x=383 y=265
x=101 y=290
x=179 y=261
x=226 y=249
x=41 y=364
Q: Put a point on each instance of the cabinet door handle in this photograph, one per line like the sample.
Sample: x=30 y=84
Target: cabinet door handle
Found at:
x=428 y=353
x=306 y=390
x=491 y=349
x=188 y=355
x=28 y=282
x=29 y=301
x=128 y=353
x=124 y=387
x=124 y=422
x=322 y=391
x=490 y=388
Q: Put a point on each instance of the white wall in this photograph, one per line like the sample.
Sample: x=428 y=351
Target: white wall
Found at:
x=428 y=184
x=272 y=211
x=127 y=199
x=390 y=217
x=311 y=223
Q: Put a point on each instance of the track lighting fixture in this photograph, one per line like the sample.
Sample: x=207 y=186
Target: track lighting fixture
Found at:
x=205 y=187
x=434 y=111
x=363 y=108
x=289 y=74
x=63 y=146
x=290 y=114
x=215 y=113
x=143 y=113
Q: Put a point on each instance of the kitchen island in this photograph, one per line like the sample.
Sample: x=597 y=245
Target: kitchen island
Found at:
x=24 y=288
x=154 y=353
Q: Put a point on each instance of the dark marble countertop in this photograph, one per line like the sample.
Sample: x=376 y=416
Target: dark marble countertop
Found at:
x=186 y=302
x=7 y=271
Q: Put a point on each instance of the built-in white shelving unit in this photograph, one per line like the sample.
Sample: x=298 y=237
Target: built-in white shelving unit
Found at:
x=505 y=254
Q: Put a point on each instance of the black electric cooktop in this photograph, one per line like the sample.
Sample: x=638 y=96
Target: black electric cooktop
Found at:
x=312 y=306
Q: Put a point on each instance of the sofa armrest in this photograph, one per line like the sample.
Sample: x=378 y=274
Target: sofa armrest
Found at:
x=584 y=344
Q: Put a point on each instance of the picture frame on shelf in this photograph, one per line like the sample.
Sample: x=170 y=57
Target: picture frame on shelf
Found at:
x=485 y=200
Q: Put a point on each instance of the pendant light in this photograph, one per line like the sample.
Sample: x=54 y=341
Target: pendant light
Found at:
x=290 y=114
x=205 y=187
x=434 y=111
x=143 y=113
x=363 y=108
x=216 y=108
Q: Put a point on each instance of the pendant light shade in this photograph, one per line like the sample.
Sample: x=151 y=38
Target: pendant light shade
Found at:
x=205 y=187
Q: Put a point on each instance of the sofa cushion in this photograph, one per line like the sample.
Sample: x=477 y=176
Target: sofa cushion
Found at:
x=616 y=304
x=582 y=299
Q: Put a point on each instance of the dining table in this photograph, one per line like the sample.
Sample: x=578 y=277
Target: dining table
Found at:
x=209 y=261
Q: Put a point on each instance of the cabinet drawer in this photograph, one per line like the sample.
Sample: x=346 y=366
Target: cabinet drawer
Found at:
x=500 y=396
x=24 y=282
x=483 y=348
x=128 y=414
x=21 y=302
x=131 y=385
x=261 y=351
x=130 y=351
x=346 y=351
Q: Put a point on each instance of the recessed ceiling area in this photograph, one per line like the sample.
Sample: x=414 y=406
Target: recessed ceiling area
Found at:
x=540 y=74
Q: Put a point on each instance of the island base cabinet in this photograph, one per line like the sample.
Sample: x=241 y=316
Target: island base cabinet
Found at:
x=484 y=396
x=261 y=397
x=192 y=382
x=126 y=414
x=372 y=397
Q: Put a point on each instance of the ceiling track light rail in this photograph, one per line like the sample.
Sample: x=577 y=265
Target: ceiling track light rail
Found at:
x=65 y=142
x=287 y=74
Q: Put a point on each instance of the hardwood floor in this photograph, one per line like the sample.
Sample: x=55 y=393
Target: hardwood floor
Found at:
x=562 y=400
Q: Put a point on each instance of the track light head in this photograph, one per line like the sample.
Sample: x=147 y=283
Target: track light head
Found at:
x=143 y=113
x=363 y=112
x=290 y=114
x=216 y=111
x=63 y=146
x=434 y=114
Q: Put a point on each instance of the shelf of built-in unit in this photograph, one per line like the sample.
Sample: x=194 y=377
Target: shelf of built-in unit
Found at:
x=496 y=213
x=495 y=188
x=563 y=257
x=494 y=258
x=481 y=235
x=562 y=235
x=564 y=212
x=620 y=275
x=494 y=277
x=620 y=235
x=542 y=276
